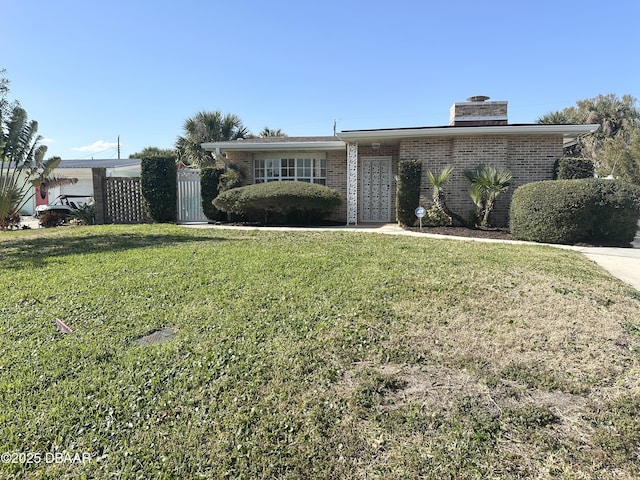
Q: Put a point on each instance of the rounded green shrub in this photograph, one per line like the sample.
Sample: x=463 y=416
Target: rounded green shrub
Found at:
x=280 y=202
x=159 y=185
x=408 y=191
x=209 y=187
x=570 y=168
x=574 y=211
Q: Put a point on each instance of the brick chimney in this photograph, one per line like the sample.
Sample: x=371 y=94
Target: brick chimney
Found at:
x=477 y=111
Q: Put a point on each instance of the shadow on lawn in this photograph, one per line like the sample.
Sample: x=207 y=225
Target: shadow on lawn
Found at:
x=25 y=251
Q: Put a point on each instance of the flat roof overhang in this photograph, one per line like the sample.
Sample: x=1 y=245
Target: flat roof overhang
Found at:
x=394 y=135
x=249 y=146
x=567 y=131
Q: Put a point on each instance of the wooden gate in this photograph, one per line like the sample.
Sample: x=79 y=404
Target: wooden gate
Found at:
x=189 y=197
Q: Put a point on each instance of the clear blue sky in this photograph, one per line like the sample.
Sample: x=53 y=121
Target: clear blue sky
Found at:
x=89 y=71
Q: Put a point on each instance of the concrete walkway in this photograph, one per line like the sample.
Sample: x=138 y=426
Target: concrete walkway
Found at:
x=623 y=263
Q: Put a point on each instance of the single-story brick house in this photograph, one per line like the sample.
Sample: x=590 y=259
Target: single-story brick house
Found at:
x=362 y=164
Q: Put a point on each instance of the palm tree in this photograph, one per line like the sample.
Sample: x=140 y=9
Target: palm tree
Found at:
x=562 y=117
x=438 y=182
x=486 y=184
x=22 y=163
x=207 y=127
x=612 y=113
x=271 y=132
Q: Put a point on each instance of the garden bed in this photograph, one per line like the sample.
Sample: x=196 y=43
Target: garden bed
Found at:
x=497 y=233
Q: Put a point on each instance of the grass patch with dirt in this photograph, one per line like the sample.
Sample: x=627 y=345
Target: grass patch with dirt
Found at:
x=312 y=355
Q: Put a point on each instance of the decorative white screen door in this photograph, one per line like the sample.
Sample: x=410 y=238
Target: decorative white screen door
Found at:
x=375 y=204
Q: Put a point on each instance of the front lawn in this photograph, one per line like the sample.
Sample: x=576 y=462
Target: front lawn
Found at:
x=312 y=355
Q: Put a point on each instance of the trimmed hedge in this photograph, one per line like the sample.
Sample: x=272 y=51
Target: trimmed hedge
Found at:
x=280 y=202
x=158 y=181
x=574 y=211
x=569 y=168
x=408 y=191
x=209 y=187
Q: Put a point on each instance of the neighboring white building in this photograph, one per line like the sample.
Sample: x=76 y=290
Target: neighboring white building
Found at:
x=82 y=170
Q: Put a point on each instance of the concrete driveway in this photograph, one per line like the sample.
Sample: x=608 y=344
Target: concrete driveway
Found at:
x=623 y=263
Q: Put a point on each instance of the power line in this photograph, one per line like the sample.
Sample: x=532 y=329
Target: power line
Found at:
x=92 y=154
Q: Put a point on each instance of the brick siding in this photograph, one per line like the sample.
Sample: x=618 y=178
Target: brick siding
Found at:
x=244 y=162
x=337 y=179
x=528 y=158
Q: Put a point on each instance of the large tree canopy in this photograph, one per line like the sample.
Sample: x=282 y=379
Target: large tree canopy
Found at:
x=207 y=127
x=154 y=152
x=615 y=147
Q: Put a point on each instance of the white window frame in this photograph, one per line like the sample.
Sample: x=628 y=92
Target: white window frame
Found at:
x=290 y=166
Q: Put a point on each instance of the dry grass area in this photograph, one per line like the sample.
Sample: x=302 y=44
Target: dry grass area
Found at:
x=529 y=374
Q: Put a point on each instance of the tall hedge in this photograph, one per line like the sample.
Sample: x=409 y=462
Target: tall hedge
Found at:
x=570 y=168
x=574 y=211
x=408 y=191
x=158 y=179
x=280 y=202
x=209 y=187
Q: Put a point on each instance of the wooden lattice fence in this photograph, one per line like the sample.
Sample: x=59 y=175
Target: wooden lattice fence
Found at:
x=123 y=201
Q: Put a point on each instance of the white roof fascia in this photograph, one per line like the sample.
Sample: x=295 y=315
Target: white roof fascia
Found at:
x=537 y=129
x=249 y=146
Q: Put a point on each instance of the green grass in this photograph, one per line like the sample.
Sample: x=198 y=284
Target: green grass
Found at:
x=313 y=355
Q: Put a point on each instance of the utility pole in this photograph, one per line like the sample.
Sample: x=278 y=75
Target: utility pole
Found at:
x=118 y=147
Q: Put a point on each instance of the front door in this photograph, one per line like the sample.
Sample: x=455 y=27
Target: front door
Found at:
x=375 y=204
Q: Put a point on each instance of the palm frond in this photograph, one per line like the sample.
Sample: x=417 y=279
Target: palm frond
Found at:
x=471 y=175
x=441 y=179
x=206 y=127
x=477 y=195
x=52 y=182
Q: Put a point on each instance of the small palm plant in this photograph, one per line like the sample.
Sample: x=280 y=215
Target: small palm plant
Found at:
x=84 y=215
x=486 y=184
x=438 y=182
